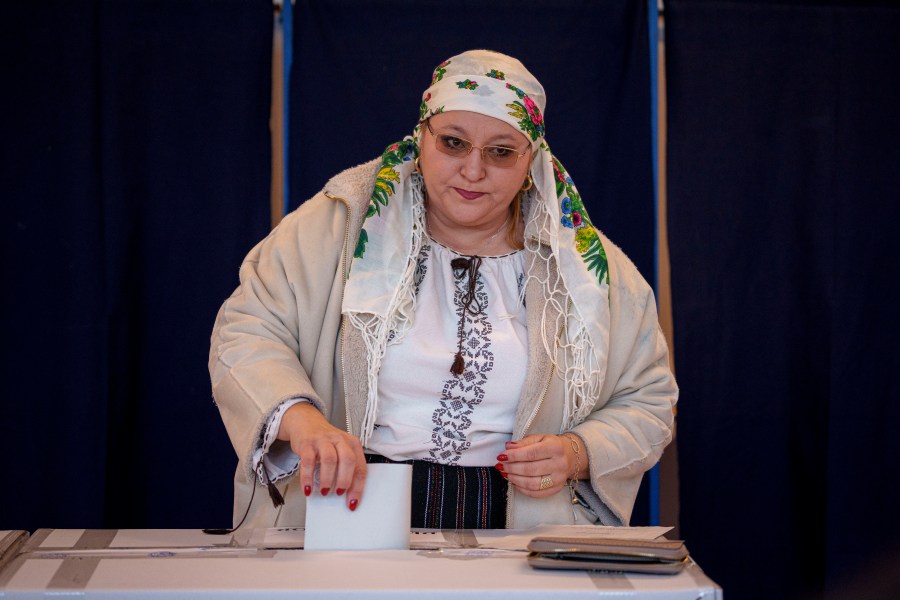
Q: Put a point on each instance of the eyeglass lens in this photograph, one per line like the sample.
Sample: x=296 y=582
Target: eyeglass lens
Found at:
x=451 y=145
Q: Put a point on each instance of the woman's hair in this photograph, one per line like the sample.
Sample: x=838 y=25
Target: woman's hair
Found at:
x=515 y=214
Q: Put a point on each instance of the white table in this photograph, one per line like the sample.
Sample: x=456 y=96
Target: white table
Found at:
x=189 y=564
x=10 y=544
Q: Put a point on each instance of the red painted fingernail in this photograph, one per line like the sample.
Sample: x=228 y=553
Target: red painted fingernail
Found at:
x=339 y=491
x=505 y=476
x=325 y=491
x=307 y=490
x=502 y=457
x=353 y=504
x=499 y=466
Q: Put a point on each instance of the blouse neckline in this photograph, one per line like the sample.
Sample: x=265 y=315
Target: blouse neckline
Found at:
x=457 y=253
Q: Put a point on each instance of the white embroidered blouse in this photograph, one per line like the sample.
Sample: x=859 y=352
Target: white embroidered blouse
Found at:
x=424 y=411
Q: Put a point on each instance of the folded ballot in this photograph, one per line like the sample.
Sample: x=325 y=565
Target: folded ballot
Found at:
x=380 y=522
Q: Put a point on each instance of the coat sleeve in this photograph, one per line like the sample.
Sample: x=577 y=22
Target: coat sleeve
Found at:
x=625 y=435
x=266 y=336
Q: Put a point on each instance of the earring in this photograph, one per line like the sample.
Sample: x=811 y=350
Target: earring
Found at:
x=418 y=165
x=527 y=184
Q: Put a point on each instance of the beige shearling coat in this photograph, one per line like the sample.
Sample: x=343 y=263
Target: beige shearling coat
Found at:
x=281 y=334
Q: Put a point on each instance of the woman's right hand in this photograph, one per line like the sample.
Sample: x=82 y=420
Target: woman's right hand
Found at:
x=339 y=455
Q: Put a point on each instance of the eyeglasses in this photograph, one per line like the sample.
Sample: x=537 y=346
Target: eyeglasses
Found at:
x=495 y=156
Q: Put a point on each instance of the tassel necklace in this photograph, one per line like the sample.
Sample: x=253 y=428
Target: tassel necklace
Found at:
x=470 y=264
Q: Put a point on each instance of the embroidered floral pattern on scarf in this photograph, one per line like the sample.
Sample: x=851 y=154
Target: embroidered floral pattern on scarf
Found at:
x=575 y=217
x=388 y=177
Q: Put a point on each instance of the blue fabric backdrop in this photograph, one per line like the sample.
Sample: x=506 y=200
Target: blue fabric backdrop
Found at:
x=134 y=176
x=783 y=211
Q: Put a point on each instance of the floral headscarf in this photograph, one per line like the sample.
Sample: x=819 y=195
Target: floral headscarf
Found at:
x=477 y=81
x=379 y=297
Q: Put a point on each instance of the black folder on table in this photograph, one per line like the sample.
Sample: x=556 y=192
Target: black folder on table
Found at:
x=608 y=554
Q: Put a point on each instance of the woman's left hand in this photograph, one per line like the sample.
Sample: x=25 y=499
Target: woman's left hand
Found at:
x=539 y=465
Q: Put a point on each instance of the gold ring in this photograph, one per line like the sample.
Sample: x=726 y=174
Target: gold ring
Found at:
x=546 y=482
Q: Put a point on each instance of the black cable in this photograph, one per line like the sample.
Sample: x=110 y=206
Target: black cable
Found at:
x=216 y=531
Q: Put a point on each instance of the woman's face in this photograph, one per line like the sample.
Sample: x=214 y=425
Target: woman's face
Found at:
x=466 y=192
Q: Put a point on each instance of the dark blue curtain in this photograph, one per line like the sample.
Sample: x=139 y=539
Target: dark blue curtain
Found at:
x=134 y=176
x=360 y=67
x=783 y=211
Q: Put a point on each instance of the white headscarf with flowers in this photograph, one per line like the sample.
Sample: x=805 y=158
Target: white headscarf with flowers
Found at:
x=379 y=298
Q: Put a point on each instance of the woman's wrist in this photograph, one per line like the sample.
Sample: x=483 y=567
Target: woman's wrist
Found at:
x=578 y=454
x=297 y=412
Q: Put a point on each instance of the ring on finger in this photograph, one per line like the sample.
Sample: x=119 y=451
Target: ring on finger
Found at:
x=546 y=482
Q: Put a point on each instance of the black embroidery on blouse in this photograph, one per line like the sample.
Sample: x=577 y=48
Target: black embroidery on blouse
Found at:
x=421 y=267
x=520 y=282
x=461 y=394
x=418 y=277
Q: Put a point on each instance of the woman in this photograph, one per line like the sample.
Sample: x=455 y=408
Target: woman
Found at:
x=450 y=305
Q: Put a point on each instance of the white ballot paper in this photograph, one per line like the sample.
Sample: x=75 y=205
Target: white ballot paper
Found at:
x=380 y=522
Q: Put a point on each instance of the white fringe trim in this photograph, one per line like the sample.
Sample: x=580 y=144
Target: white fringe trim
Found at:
x=376 y=330
x=580 y=369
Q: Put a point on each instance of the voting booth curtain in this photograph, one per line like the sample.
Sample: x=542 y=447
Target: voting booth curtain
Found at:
x=135 y=176
x=783 y=211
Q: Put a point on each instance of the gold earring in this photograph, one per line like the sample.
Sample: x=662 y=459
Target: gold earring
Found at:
x=527 y=184
x=418 y=166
